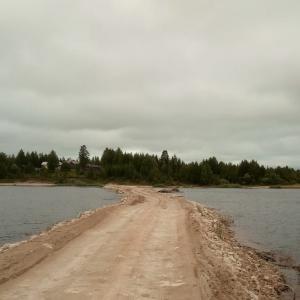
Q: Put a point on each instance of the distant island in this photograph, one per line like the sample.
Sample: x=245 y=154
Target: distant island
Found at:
x=119 y=166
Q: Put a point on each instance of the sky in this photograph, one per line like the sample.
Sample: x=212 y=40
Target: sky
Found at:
x=199 y=78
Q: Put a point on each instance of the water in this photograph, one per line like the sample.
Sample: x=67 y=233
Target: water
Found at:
x=267 y=219
x=28 y=210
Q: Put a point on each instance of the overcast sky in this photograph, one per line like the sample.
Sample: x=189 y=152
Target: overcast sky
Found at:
x=196 y=77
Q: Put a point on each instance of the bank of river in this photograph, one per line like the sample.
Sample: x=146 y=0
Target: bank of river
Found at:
x=28 y=210
x=266 y=219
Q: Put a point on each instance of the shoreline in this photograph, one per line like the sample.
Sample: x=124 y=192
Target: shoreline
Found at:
x=47 y=242
x=100 y=184
x=27 y=184
x=217 y=239
x=48 y=184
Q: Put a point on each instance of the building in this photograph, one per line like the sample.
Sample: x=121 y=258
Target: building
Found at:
x=44 y=165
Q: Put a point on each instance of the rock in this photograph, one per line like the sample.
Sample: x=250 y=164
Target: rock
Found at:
x=169 y=190
x=267 y=256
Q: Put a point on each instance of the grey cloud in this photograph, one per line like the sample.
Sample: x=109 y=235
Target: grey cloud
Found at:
x=199 y=78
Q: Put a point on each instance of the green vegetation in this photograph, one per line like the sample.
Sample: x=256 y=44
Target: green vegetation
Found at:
x=143 y=168
x=84 y=156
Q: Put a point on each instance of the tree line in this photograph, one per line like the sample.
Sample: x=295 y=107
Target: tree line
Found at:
x=117 y=165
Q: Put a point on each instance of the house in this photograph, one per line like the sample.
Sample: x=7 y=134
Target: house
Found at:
x=93 y=166
x=72 y=162
x=59 y=166
x=44 y=165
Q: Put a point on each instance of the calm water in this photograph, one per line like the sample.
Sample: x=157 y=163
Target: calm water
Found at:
x=264 y=218
x=28 y=210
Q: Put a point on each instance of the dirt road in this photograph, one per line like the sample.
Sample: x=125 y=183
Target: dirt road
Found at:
x=154 y=246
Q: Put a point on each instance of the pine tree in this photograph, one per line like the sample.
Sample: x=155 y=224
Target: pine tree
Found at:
x=21 y=159
x=164 y=162
x=52 y=161
x=84 y=156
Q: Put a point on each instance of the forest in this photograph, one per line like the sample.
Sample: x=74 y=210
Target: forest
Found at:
x=120 y=166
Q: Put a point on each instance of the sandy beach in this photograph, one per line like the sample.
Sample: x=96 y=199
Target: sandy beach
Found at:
x=148 y=246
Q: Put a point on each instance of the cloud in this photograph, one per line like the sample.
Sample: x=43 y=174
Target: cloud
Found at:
x=199 y=78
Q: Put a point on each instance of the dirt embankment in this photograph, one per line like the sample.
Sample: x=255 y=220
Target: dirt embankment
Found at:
x=150 y=246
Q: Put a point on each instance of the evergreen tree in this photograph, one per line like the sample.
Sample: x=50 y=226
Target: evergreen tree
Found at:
x=21 y=159
x=164 y=163
x=107 y=157
x=84 y=156
x=95 y=160
x=52 y=161
x=3 y=165
x=34 y=159
x=214 y=165
x=146 y=168
x=65 y=167
x=206 y=174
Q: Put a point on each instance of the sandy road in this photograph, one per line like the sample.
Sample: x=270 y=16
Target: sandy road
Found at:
x=154 y=246
x=142 y=252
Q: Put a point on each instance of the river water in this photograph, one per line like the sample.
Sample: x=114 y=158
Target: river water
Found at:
x=29 y=210
x=267 y=219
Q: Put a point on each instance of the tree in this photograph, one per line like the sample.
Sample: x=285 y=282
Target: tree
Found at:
x=65 y=167
x=164 y=163
x=244 y=168
x=52 y=161
x=3 y=165
x=206 y=173
x=147 y=168
x=21 y=160
x=34 y=159
x=175 y=166
x=84 y=156
x=107 y=157
x=95 y=160
x=214 y=165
